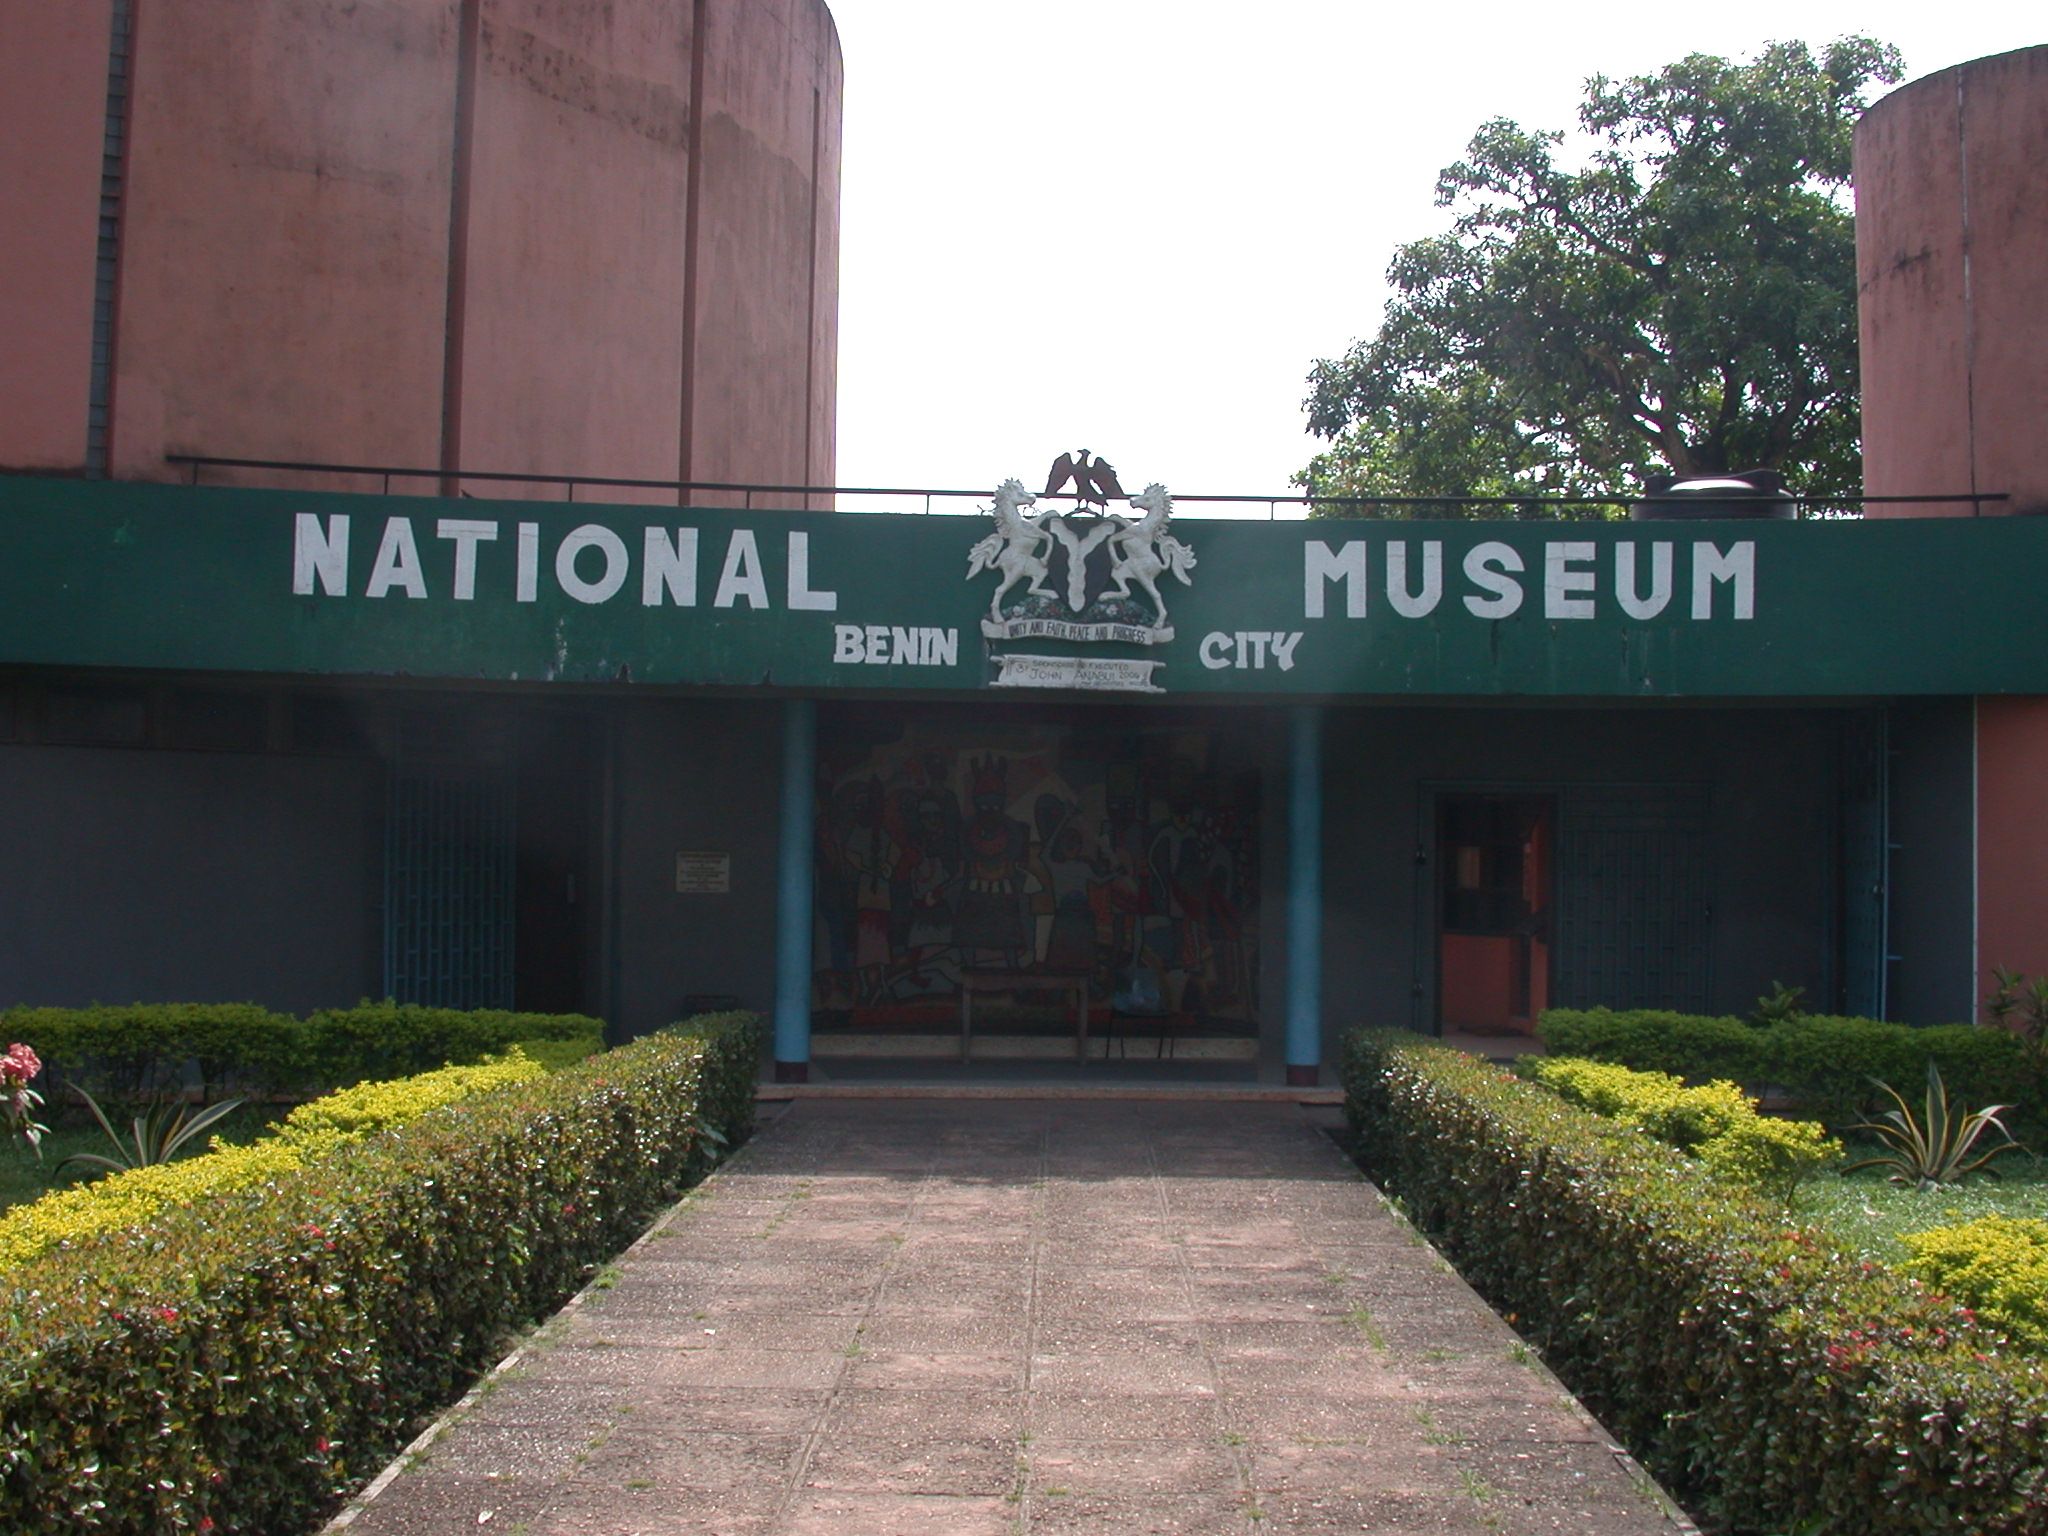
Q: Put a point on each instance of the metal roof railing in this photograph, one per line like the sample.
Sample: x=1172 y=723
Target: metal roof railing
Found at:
x=932 y=499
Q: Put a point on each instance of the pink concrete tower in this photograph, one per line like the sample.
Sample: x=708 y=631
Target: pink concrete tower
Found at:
x=500 y=235
x=1952 y=270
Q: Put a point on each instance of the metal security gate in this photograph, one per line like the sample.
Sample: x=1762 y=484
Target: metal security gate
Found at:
x=1634 y=898
x=449 y=858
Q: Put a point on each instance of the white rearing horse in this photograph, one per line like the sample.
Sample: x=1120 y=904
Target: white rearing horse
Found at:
x=1145 y=550
x=1016 y=548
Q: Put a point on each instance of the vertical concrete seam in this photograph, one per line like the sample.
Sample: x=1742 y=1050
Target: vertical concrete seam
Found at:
x=693 y=188
x=106 y=293
x=469 y=27
x=811 y=298
x=1969 y=297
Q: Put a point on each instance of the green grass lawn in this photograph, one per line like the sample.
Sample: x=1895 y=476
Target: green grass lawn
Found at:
x=1868 y=1216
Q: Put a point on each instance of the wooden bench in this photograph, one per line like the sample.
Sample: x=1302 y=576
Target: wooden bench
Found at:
x=1068 y=984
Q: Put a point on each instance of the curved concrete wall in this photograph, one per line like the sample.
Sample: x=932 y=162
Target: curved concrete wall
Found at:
x=1952 y=270
x=1952 y=266
x=528 y=236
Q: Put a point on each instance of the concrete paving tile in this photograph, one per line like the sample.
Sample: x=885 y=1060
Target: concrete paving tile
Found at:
x=599 y=1509
x=659 y=1268
x=973 y=1246
x=737 y=1410
x=1155 y=1295
x=1343 y=1336
x=537 y=1392
x=836 y=1512
x=1061 y=1467
x=1300 y=1420
x=1591 y=1481
x=1081 y=1415
x=430 y=1503
x=644 y=1451
x=652 y=1368
x=914 y=1414
x=715 y=1329
x=803 y=1286
x=811 y=1226
x=1337 y=1379
x=1112 y=1372
x=959 y=1272
x=481 y=1448
x=940 y=1332
x=1247 y=1301
x=1095 y=1250
x=946 y=1372
x=877 y=1464
x=1057 y=1333
x=1376 y=1513
x=1390 y=1460
x=740 y=1301
x=1140 y=1514
x=1483 y=1418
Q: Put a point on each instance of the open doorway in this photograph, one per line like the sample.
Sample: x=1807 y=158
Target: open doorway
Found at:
x=1494 y=903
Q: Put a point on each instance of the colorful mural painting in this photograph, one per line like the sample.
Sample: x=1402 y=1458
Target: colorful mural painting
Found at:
x=946 y=845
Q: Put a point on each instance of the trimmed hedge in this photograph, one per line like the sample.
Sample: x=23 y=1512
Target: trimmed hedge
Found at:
x=311 y=1131
x=375 y=1040
x=1764 y=1377
x=148 y=1050
x=1825 y=1064
x=1716 y=1122
x=238 y=1363
x=121 y=1054
x=1997 y=1265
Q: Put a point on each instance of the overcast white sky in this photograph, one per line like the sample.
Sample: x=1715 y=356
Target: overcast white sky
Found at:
x=1132 y=225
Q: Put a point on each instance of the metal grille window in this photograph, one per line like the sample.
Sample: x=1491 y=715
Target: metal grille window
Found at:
x=1633 y=899
x=448 y=885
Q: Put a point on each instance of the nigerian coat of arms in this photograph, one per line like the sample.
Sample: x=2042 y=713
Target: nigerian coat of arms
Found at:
x=1089 y=574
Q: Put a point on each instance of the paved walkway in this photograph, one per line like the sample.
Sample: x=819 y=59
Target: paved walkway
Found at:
x=919 y=1318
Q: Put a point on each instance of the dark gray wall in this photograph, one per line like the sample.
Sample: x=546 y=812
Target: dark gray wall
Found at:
x=1933 y=865
x=695 y=775
x=1771 y=781
x=157 y=876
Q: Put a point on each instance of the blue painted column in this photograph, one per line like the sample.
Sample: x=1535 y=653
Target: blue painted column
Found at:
x=1305 y=897
x=793 y=892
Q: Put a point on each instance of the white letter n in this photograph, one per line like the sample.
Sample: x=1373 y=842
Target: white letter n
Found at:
x=320 y=553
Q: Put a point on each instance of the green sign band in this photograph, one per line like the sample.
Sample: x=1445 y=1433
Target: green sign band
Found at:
x=217 y=580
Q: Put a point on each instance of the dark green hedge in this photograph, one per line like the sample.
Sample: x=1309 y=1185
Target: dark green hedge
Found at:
x=239 y=1363
x=1771 y=1382
x=381 y=1040
x=141 y=1050
x=1826 y=1066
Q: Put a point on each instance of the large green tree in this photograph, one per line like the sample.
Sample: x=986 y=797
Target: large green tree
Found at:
x=1672 y=293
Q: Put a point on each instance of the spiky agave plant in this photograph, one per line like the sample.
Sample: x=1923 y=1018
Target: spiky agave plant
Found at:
x=156 y=1133
x=1940 y=1145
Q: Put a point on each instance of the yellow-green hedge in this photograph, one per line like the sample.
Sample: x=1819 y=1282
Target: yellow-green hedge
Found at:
x=1717 y=1123
x=128 y=1200
x=1997 y=1266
